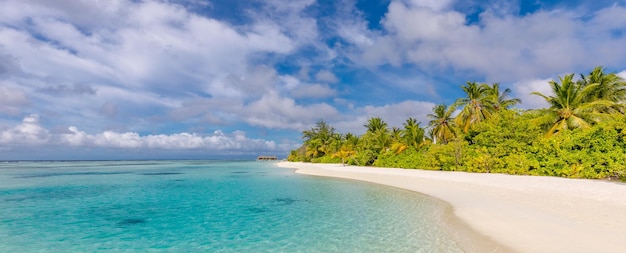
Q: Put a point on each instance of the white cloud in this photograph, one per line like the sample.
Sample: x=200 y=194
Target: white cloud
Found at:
x=30 y=132
x=411 y=24
x=326 y=76
x=500 y=47
x=523 y=90
x=273 y=111
x=394 y=114
x=160 y=47
x=622 y=74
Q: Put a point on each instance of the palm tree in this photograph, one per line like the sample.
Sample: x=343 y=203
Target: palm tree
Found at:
x=475 y=105
x=375 y=124
x=321 y=137
x=571 y=106
x=346 y=152
x=413 y=134
x=396 y=134
x=397 y=143
x=351 y=139
x=335 y=143
x=377 y=134
x=499 y=101
x=442 y=123
x=610 y=86
x=313 y=149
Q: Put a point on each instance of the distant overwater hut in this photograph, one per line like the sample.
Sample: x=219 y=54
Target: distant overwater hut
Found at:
x=266 y=158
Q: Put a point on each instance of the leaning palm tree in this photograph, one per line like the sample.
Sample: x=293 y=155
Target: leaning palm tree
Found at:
x=571 y=106
x=475 y=105
x=442 y=123
x=497 y=100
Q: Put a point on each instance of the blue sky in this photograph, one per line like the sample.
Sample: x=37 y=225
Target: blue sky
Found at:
x=126 y=79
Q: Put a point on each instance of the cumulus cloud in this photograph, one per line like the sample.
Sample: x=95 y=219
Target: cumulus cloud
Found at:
x=30 y=132
x=395 y=114
x=523 y=90
x=502 y=48
x=326 y=76
x=274 y=111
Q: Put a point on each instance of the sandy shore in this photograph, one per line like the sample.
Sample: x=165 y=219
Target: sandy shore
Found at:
x=506 y=213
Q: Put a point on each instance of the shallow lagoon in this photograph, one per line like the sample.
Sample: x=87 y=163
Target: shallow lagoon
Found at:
x=207 y=206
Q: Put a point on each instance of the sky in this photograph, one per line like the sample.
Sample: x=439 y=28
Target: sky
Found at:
x=210 y=79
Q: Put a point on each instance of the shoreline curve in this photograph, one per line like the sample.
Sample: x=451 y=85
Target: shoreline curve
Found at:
x=509 y=213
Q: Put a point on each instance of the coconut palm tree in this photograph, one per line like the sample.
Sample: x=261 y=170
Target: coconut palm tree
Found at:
x=396 y=134
x=610 y=87
x=442 y=123
x=314 y=149
x=375 y=124
x=571 y=106
x=320 y=137
x=346 y=152
x=377 y=134
x=413 y=134
x=334 y=143
x=475 y=105
x=397 y=144
x=351 y=139
x=497 y=100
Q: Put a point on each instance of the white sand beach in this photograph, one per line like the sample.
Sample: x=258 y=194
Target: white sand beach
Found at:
x=508 y=213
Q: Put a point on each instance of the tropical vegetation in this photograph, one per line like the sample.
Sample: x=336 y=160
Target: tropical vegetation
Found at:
x=581 y=134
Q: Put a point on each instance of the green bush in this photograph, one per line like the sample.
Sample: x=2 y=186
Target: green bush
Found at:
x=408 y=159
x=326 y=159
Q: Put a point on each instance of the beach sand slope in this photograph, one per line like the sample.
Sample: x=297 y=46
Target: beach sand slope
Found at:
x=511 y=213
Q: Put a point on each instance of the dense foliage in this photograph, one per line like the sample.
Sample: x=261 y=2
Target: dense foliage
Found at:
x=581 y=135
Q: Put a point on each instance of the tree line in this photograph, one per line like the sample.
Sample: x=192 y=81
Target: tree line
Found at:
x=581 y=134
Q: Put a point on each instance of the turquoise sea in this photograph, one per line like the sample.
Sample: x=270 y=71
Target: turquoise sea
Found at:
x=207 y=206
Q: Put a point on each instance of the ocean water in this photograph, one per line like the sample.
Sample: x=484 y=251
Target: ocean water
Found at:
x=207 y=206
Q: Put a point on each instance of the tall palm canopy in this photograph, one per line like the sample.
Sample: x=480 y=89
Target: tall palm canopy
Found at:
x=319 y=139
x=497 y=100
x=610 y=86
x=442 y=123
x=571 y=106
x=378 y=134
x=475 y=105
x=413 y=134
x=375 y=124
